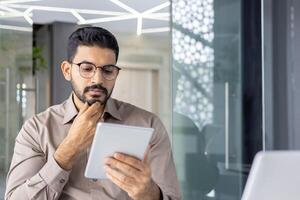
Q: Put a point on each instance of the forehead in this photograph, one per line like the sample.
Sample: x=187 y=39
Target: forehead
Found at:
x=95 y=54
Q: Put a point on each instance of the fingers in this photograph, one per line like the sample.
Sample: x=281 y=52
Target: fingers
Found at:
x=130 y=160
x=119 y=175
x=91 y=112
x=130 y=174
x=93 y=109
x=125 y=168
x=96 y=116
x=120 y=180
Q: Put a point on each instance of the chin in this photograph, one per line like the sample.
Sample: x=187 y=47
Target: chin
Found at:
x=92 y=100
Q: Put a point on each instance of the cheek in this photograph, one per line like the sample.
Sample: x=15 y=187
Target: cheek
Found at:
x=79 y=83
x=109 y=85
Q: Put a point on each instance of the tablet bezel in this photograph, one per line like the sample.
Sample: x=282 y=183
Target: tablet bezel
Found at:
x=132 y=140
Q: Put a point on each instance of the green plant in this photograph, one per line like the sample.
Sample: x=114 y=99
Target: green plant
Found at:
x=39 y=61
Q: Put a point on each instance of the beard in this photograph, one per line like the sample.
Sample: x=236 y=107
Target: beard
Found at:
x=102 y=98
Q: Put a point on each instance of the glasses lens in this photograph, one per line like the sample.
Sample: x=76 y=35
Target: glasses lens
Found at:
x=87 y=70
x=110 y=72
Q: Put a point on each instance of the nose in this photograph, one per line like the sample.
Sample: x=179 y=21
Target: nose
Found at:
x=97 y=78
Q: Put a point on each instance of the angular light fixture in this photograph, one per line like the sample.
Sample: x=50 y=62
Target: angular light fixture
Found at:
x=15 y=28
x=14 y=8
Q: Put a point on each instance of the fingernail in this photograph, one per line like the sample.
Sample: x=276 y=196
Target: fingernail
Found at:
x=117 y=155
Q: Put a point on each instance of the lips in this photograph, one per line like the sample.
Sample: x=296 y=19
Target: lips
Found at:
x=96 y=92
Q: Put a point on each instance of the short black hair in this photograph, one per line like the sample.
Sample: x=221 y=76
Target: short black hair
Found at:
x=91 y=36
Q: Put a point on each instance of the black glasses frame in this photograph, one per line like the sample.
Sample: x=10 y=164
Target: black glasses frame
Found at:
x=95 y=68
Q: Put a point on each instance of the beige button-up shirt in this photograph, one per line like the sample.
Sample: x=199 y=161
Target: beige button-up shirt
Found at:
x=34 y=174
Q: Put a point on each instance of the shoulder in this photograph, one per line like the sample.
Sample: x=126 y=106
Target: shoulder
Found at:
x=47 y=117
x=136 y=114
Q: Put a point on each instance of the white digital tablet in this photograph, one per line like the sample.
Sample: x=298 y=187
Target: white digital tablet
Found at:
x=111 y=138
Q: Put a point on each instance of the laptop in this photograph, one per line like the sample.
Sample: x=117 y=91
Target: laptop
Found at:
x=275 y=175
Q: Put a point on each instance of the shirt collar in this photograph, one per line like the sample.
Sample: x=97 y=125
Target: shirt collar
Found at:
x=71 y=110
x=112 y=108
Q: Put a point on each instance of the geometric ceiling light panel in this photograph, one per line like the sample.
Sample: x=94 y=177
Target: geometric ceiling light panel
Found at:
x=23 y=10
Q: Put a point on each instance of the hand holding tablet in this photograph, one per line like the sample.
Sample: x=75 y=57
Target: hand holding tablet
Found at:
x=114 y=138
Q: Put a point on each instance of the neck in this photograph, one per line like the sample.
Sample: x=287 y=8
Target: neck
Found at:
x=79 y=104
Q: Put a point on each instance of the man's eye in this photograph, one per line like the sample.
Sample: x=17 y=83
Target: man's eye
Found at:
x=108 y=70
x=87 y=68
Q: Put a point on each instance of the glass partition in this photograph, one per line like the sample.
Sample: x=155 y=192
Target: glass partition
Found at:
x=17 y=93
x=212 y=98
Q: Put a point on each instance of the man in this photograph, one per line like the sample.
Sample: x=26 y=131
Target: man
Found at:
x=52 y=148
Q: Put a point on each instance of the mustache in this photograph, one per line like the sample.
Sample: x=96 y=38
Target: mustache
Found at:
x=96 y=86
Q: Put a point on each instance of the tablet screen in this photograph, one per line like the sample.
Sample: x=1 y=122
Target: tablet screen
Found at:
x=111 y=138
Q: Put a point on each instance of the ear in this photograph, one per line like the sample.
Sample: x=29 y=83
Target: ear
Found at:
x=66 y=70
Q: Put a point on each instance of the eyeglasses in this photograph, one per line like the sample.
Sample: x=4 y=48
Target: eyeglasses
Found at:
x=88 y=70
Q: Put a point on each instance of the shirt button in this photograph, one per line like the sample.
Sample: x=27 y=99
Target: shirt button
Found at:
x=62 y=180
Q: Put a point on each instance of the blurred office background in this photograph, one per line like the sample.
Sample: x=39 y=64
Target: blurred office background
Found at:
x=221 y=74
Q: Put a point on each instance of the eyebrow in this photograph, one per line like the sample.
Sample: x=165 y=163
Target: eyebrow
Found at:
x=86 y=61
x=89 y=62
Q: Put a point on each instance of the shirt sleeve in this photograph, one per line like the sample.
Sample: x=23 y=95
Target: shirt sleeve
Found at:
x=162 y=163
x=33 y=175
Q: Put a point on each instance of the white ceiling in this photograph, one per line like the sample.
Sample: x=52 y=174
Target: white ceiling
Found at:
x=139 y=16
